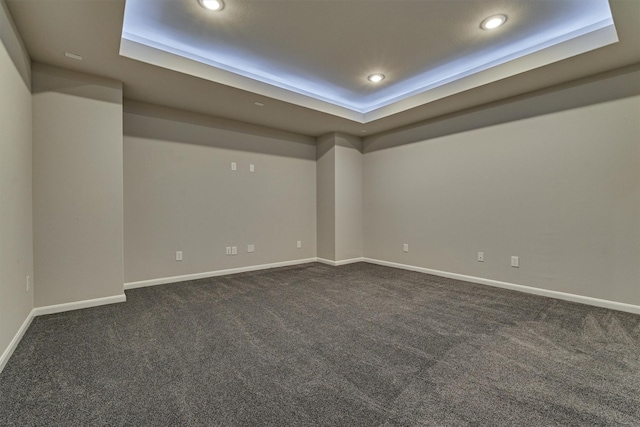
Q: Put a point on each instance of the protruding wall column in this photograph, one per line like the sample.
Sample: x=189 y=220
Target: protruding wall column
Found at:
x=339 y=193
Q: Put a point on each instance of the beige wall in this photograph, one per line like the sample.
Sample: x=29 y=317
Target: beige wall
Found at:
x=339 y=189
x=553 y=178
x=77 y=185
x=181 y=194
x=16 y=240
x=326 y=191
x=348 y=203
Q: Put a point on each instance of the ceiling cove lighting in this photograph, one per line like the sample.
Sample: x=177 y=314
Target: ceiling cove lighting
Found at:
x=211 y=52
x=216 y=5
x=493 y=22
x=376 y=78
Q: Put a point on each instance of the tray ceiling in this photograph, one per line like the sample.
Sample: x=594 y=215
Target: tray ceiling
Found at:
x=318 y=53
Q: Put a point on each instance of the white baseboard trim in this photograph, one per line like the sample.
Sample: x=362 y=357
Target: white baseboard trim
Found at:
x=184 y=278
x=59 y=308
x=339 y=262
x=630 y=308
x=16 y=340
x=77 y=305
x=51 y=309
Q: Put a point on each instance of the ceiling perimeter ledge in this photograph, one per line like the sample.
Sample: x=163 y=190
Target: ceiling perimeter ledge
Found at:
x=574 y=43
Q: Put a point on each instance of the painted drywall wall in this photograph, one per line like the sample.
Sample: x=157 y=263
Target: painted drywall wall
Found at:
x=348 y=193
x=339 y=189
x=326 y=192
x=16 y=239
x=553 y=178
x=77 y=186
x=181 y=194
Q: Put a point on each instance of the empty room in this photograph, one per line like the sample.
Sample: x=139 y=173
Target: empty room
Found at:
x=319 y=212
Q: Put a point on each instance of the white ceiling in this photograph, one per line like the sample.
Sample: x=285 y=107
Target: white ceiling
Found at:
x=326 y=43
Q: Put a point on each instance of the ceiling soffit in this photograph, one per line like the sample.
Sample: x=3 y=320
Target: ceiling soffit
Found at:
x=317 y=54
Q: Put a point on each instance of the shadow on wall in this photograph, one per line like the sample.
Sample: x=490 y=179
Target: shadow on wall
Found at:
x=15 y=47
x=76 y=84
x=172 y=125
x=610 y=86
x=326 y=142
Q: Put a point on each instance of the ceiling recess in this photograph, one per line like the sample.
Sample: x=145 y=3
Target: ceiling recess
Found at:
x=246 y=51
x=493 y=22
x=215 y=5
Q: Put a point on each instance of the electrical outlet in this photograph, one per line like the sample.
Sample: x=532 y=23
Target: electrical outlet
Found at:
x=480 y=256
x=28 y=283
x=299 y=244
x=228 y=250
x=405 y=247
x=251 y=248
x=178 y=255
x=234 y=250
x=515 y=261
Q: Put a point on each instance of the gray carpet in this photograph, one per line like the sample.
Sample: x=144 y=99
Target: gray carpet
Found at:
x=358 y=345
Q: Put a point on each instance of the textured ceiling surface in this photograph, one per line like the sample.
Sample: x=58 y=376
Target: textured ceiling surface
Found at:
x=93 y=30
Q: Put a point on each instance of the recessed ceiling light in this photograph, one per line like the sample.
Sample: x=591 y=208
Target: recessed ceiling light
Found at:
x=493 y=22
x=259 y=104
x=375 y=78
x=216 y=5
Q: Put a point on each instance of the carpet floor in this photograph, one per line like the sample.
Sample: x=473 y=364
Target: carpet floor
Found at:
x=314 y=345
